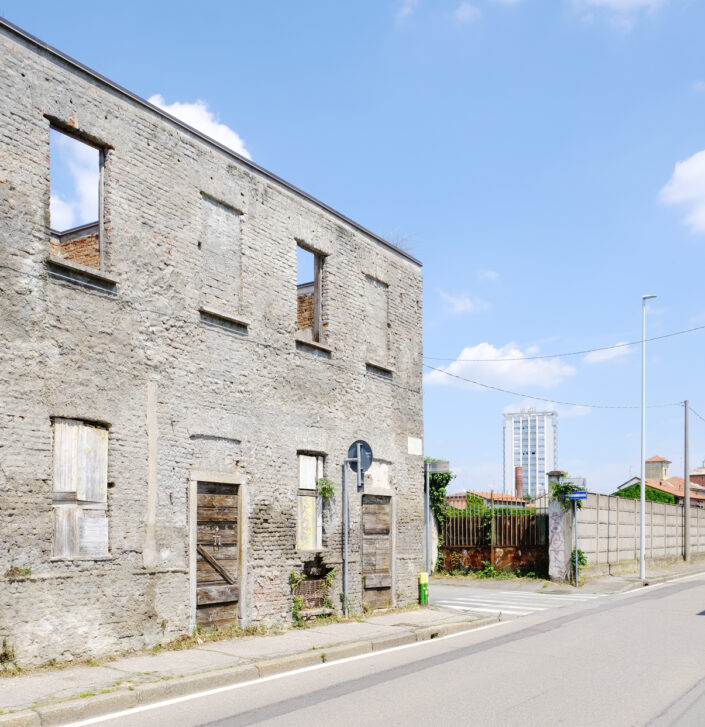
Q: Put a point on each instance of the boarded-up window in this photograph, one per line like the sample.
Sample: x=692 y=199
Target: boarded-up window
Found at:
x=80 y=489
x=219 y=243
x=377 y=324
x=309 y=509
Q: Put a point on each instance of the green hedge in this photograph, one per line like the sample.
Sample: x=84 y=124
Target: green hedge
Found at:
x=634 y=492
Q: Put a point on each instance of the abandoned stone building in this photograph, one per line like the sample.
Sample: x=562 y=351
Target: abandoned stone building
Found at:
x=174 y=401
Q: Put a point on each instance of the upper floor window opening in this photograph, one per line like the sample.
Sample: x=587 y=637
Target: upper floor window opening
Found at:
x=76 y=199
x=309 y=287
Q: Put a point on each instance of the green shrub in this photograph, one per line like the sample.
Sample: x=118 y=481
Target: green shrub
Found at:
x=634 y=492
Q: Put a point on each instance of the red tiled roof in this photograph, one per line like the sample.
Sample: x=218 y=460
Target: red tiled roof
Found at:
x=676 y=486
x=658 y=458
x=498 y=496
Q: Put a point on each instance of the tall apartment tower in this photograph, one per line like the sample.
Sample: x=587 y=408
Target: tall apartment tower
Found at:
x=529 y=443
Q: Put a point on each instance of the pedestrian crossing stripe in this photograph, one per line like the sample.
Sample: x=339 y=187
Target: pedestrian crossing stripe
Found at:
x=515 y=604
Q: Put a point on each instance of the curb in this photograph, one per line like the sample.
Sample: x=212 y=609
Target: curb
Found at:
x=75 y=709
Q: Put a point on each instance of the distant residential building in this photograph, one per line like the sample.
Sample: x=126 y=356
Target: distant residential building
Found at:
x=529 y=443
x=657 y=477
x=459 y=499
x=697 y=476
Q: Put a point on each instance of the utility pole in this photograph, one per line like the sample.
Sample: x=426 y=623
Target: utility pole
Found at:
x=686 y=485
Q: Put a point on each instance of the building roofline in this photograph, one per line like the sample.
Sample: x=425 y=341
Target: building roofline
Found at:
x=247 y=162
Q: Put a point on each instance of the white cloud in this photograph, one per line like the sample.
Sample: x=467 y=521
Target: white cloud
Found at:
x=698 y=86
x=74 y=188
x=488 y=275
x=467 y=13
x=406 y=9
x=563 y=410
x=686 y=188
x=621 y=13
x=200 y=117
x=609 y=354
x=463 y=303
x=513 y=371
x=507 y=2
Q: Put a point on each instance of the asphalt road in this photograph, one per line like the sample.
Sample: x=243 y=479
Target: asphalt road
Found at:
x=630 y=659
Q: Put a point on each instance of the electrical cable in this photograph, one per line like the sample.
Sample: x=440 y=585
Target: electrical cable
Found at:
x=570 y=353
x=551 y=401
x=696 y=413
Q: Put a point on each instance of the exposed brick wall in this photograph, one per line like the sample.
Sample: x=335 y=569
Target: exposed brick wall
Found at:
x=304 y=310
x=84 y=249
x=180 y=396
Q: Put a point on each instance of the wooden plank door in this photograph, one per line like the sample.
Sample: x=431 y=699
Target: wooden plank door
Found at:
x=376 y=551
x=217 y=591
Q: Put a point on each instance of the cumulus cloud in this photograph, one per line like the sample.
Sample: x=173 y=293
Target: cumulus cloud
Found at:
x=506 y=367
x=686 y=188
x=406 y=9
x=74 y=182
x=200 y=117
x=463 y=303
x=609 y=354
x=467 y=13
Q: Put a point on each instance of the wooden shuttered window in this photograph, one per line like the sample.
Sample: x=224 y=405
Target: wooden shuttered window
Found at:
x=309 y=508
x=80 y=489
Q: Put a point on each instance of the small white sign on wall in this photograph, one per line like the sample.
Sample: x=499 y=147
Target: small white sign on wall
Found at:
x=416 y=445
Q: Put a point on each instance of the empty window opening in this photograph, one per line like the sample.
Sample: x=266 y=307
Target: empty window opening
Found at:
x=80 y=489
x=75 y=170
x=309 y=505
x=309 y=273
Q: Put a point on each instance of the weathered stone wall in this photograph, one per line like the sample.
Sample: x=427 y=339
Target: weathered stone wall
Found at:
x=179 y=395
x=304 y=310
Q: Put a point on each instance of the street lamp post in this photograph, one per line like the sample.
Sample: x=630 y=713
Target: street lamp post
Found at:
x=642 y=496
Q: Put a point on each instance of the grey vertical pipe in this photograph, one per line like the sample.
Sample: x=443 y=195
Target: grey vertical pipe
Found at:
x=642 y=492
x=686 y=483
x=427 y=518
x=345 y=539
x=575 y=535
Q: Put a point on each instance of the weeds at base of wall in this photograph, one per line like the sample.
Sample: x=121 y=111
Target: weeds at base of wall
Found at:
x=7 y=659
x=489 y=570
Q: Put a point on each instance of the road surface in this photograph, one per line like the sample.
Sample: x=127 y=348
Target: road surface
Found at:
x=629 y=659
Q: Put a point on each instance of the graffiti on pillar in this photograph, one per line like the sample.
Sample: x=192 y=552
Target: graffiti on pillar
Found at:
x=556 y=543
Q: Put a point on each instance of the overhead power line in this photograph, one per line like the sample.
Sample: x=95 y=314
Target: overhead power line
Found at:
x=550 y=401
x=696 y=413
x=570 y=353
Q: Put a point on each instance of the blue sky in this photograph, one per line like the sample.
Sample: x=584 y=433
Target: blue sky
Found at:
x=545 y=159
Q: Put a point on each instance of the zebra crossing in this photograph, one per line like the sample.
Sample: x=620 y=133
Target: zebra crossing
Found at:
x=513 y=603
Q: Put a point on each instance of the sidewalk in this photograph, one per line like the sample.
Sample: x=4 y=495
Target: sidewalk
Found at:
x=67 y=694
x=63 y=695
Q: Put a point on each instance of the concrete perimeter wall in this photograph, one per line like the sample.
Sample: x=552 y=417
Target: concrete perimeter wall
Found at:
x=608 y=534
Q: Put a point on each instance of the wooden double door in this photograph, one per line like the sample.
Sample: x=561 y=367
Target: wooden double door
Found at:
x=217 y=556
x=376 y=551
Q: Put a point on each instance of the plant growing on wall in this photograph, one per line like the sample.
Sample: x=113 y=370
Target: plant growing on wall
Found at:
x=438 y=482
x=634 y=492
x=560 y=491
x=324 y=488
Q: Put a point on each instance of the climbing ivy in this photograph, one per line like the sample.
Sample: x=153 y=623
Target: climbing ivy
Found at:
x=437 y=494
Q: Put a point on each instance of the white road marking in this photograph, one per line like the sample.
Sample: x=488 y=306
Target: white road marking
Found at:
x=514 y=603
x=273 y=677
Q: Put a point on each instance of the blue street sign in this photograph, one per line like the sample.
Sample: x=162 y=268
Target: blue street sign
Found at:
x=580 y=495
